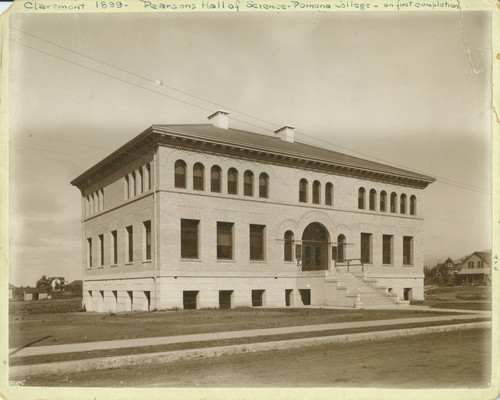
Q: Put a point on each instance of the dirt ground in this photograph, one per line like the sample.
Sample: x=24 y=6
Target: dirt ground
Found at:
x=61 y=328
x=443 y=360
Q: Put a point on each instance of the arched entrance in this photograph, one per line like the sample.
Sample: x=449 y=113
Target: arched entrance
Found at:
x=315 y=247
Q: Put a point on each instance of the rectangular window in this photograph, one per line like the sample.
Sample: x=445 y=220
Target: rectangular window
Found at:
x=366 y=248
x=407 y=250
x=225 y=240
x=257 y=298
x=101 y=250
x=189 y=238
x=257 y=242
x=387 y=241
x=130 y=244
x=89 y=252
x=114 y=247
x=147 y=239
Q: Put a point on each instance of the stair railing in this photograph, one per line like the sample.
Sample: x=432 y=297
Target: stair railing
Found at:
x=348 y=263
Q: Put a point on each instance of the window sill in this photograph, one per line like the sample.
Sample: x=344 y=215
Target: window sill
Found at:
x=113 y=265
x=146 y=261
x=88 y=268
x=226 y=261
x=258 y=261
x=407 y=265
x=101 y=267
x=129 y=263
x=190 y=260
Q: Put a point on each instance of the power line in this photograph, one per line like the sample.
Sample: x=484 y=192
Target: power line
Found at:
x=55 y=152
x=442 y=179
x=148 y=79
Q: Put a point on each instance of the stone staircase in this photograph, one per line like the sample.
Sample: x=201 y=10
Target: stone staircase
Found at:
x=363 y=291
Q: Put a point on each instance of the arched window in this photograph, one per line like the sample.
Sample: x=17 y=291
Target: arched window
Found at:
x=413 y=205
x=263 y=185
x=149 y=178
x=140 y=180
x=198 y=173
x=316 y=192
x=341 y=248
x=248 y=183
x=373 y=199
x=215 y=177
x=232 y=181
x=133 y=185
x=329 y=194
x=402 y=206
x=288 y=246
x=361 y=198
x=180 y=174
x=394 y=200
x=383 y=201
x=127 y=187
x=303 y=191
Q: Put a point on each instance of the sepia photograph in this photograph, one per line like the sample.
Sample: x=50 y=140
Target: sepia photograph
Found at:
x=250 y=199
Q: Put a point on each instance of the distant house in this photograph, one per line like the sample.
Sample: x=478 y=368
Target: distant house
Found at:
x=30 y=293
x=476 y=269
x=57 y=282
x=445 y=270
x=12 y=291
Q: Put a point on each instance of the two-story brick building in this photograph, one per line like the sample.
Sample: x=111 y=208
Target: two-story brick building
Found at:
x=195 y=216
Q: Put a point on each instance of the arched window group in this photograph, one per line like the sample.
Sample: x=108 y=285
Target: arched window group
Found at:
x=180 y=179
x=138 y=181
x=316 y=192
x=94 y=202
x=383 y=206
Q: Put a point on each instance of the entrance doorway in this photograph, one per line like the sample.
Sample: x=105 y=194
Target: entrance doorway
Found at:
x=315 y=247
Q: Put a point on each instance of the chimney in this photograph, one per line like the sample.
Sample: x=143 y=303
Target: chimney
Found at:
x=220 y=119
x=286 y=133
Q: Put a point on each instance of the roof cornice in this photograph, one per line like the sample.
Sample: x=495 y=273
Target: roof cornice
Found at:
x=166 y=136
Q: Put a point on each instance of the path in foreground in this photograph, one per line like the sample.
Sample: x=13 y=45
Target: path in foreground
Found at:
x=453 y=359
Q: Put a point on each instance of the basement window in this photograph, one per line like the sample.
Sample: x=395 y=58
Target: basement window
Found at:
x=305 y=296
x=225 y=299
x=258 y=298
x=190 y=299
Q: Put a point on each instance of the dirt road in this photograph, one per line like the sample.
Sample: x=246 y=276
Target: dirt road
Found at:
x=454 y=359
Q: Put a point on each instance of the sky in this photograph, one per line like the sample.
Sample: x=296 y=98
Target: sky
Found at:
x=400 y=88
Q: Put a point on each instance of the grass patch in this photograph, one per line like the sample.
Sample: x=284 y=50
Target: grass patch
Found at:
x=47 y=306
x=63 y=328
x=215 y=343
